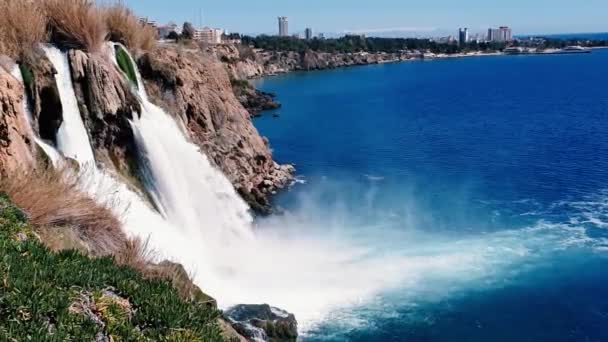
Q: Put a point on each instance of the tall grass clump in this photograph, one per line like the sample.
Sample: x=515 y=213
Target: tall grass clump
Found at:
x=23 y=24
x=124 y=27
x=76 y=23
x=55 y=205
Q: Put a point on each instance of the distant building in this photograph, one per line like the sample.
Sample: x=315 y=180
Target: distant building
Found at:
x=146 y=21
x=164 y=31
x=501 y=34
x=209 y=35
x=283 y=27
x=463 y=36
x=321 y=36
x=308 y=33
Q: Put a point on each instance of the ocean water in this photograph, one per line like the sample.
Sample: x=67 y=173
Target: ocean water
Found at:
x=485 y=179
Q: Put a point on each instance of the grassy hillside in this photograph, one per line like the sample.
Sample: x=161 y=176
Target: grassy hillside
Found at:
x=48 y=296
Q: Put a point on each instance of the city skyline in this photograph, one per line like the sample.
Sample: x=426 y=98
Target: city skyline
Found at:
x=432 y=18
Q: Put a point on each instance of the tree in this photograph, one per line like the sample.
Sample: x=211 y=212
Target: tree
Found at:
x=173 y=35
x=188 y=31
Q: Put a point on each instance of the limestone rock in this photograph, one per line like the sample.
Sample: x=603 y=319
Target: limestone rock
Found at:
x=15 y=135
x=106 y=105
x=39 y=78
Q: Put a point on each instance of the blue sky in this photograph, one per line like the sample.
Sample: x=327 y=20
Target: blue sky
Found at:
x=426 y=17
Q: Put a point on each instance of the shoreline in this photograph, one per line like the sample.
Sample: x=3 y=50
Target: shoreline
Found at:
x=433 y=57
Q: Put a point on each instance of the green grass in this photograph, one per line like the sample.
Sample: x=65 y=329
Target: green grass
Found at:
x=125 y=64
x=37 y=288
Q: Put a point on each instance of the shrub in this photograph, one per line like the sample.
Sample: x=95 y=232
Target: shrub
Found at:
x=22 y=26
x=124 y=27
x=56 y=206
x=76 y=23
x=67 y=296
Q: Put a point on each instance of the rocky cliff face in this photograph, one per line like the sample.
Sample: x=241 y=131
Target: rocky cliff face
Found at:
x=106 y=105
x=198 y=92
x=246 y=63
x=15 y=134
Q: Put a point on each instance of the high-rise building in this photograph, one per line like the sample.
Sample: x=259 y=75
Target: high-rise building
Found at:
x=501 y=34
x=506 y=34
x=463 y=36
x=308 y=33
x=283 y=27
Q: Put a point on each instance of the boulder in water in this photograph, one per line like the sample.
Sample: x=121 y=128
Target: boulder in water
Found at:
x=263 y=322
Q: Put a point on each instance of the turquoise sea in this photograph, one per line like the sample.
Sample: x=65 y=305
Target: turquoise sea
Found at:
x=485 y=177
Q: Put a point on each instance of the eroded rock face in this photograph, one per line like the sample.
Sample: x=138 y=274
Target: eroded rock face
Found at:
x=263 y=322
x=245 y=63
x=106 y=105
x=39 y=78
x=198 y=92
x=15 y=135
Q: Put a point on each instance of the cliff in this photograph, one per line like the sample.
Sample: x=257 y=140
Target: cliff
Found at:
x=198 y=92
x=245 y=63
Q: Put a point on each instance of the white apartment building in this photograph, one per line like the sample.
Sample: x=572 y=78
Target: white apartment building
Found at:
x=209 y=35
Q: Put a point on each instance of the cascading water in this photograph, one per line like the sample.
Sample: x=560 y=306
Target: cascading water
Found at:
x=307 y=267
x=72 y=137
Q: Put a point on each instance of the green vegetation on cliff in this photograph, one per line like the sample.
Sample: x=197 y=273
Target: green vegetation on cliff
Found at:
x=355 y=43
x=48 y=296
x=124 y=62
x=351 y=44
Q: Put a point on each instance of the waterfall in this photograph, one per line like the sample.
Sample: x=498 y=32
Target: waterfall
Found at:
x=309 y=267
x=72 y=137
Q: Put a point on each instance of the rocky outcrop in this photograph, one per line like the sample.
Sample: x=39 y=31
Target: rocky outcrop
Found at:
x=15 y=135
x=254 y=100
x=244 y=62
x=198 y=92
x=39 y=78
x=106 y=105
x=263 y=322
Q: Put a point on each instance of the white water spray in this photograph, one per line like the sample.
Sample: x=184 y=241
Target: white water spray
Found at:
x=305 y=266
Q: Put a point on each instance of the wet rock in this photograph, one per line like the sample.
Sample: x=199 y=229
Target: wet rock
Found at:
x=39 y=78
x=106 y=105
x=263 y=322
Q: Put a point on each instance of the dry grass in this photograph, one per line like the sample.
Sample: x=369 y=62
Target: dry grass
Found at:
x=22 y=26
x=136 y=254
x=124 y=27
x=76 y=23
x=66 y=217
